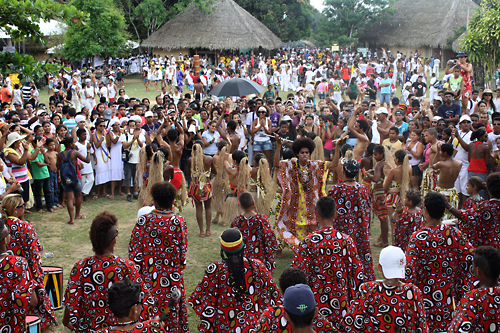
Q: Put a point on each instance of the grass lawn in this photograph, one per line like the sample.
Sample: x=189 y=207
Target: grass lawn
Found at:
x=70 y=243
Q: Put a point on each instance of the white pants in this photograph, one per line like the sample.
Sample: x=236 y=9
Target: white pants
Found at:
x=436 y=70
x=87 y=183
x=76 y=104
x=463 y=176
x=432 y=94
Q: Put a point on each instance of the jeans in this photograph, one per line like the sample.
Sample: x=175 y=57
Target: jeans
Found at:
x=38 y=185
x=321 y=95
x=129 y=174
x=54 y=187
x=385 y=98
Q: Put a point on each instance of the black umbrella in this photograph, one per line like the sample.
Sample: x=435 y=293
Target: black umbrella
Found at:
x=236 y=87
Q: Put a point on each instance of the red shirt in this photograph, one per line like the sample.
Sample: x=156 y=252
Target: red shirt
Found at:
x=5 y=95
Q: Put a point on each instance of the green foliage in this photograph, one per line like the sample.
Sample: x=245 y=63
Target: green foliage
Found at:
x=456 y=34
x=482 y=39
x=19 y=17
x=25 y=65
x=290 y=20
x=103 y=34
x=343 y=20
x=143 y=17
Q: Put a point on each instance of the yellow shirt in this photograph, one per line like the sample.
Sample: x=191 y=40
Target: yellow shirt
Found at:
x=393 y=146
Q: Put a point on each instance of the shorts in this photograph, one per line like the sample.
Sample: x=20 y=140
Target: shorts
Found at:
x=415 y=171
x=262 y=145
x=328 y=153
x=146 y=79
x=190 y=86
x=169 y=82
x=76 y=188
x=385 y=98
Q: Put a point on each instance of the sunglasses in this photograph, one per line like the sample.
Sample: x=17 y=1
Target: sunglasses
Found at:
x=21 y=206
x=101 y=126
x=262 y=112
x=496 y=124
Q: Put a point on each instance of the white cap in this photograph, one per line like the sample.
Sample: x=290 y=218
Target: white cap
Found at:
x=381 y=110
x=148 y=114
x=136 y=118
x=79 y=118
x=438 y=98
x=465 y=117
x=286 y=118
x=437 y=118
x=393 y=262
x=145 y=211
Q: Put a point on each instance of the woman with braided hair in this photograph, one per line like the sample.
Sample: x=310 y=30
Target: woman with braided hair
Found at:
x=235 y=291
x=239 y=179
x=200 y=169
x=262 y=183
x=219 y=186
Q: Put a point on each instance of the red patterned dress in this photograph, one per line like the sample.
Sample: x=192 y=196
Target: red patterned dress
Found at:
x=439 y=263
x=334 y=270
x=150 y=326
x=479 y=311
x=273 y=320
x=384 y=308
x=87 y=291
x=16 y=287
x=405 y=226
x=260 y=240
x=302 y=187
x=472 y=201
x=353 y=219
x=159 y=245
x=215 y=299
x=24 y=243
x=482 y=224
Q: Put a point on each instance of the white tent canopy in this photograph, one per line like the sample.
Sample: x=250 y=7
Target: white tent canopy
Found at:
x=49 y=28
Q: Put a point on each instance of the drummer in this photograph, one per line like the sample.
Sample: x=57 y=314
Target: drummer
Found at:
x=24 y=242
x=16 y=287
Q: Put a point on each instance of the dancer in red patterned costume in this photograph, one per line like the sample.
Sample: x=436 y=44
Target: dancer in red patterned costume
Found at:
x=86 y=309
x=124 y=299
x=260 y=240
x=439 y=261
x=303 y=183
x=388 y=305
x=235 y=291
x=479 y=310
x=159 y=245
x=407 y=219
x=24 y=243
x=17 y=290
x=331 y=263
x=353 y=214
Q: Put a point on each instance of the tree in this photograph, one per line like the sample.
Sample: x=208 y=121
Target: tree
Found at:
x=482 y=39
x=143 y=17
x=19 y=19
x=103 y=34
x=290 y=20
x=343 y=20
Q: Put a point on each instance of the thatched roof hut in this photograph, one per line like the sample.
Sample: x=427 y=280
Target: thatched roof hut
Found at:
x=226 y=26
x=420 y=23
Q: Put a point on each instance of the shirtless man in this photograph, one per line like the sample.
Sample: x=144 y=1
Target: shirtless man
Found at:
x=448 y=169
x=359 y=128
x=230 y=135
x=383 y=125
x=198 y=90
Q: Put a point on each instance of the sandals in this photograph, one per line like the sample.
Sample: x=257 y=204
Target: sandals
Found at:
x=380 y=244
x=208 y=233
x=201 y=235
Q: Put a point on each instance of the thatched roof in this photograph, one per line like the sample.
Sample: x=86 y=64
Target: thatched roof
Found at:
x=420 y=23
x=226 y=27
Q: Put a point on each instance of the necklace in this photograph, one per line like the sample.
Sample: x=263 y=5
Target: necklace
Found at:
x=127 y=323
x=166 y=211
x=304 y=174
x=102 y=148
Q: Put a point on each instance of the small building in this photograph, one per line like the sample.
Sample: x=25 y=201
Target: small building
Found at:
x=225 y=26
x=423 y=25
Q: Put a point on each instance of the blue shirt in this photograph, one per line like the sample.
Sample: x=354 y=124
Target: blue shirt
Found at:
x=448 y=112
x=403 y=128
x=385 y=90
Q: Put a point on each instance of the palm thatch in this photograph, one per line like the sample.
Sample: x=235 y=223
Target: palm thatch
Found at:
x=420 y=23
x=227 y=26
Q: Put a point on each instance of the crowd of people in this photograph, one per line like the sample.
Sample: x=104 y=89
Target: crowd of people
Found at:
x=312 y=163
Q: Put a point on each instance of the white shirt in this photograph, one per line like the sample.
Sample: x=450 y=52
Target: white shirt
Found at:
x=493 y=138
x=103 y=92
x=133 y=156
x=462 y=155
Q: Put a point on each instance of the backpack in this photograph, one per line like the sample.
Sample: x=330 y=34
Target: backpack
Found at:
x=68 y=170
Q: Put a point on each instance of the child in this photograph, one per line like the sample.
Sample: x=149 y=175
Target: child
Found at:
x=407 y=219
x=41 y=177
x=260 y=240
x=286 y=137
x=393 y=142
x=474 y=186
x=86 y=168
x=51 y=158
x=396 y=181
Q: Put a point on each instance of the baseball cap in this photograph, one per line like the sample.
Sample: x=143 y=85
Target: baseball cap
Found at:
x=448 y=93
x=107 y=114
x=286 y=118
x=437 y=118
x=299 y=300
x=381 y=110
x=393 y=262
x=148 y=114
x=465 y=117
x=462 y=54
x=308 y=105
x=438 y=98
x=136 y=118
x=18 y=103
x=40 y=112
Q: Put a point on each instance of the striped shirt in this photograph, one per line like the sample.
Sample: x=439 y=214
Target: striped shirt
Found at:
x=20 y=172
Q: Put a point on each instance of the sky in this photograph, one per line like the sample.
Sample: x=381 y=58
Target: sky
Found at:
x=318 y=4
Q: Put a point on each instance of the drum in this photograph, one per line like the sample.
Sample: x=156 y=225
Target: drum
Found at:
x=53 y=283
x=33 y=324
